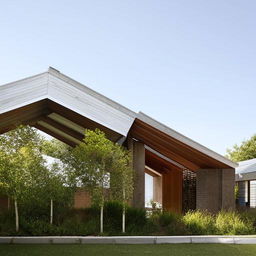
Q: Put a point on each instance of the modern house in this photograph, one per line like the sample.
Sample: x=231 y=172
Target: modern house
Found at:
x=246 y=181
x=186 y=174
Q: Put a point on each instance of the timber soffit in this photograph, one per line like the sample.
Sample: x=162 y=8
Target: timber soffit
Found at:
x=187 y=141
x=42 y=90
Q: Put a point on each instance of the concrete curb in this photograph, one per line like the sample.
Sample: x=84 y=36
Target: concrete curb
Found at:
x=129 y=240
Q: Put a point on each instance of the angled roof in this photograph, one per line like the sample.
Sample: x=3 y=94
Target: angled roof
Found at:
x=246 y=170
x=67 y=92
x=63 y=108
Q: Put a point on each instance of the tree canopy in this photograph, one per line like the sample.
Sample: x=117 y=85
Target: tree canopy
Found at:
x=103 y=168
x=245 y=151
x=25 y=176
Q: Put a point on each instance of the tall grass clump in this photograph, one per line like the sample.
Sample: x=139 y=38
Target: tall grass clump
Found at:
x=167 y=223
x=232 y=223
x=199 y=223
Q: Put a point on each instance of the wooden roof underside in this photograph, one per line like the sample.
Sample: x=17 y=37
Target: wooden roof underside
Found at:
x=171 y=148
x=68 y=127
x=64 y=108
x=53 y=119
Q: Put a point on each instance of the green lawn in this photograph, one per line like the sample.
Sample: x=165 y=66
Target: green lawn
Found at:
x=133 y=250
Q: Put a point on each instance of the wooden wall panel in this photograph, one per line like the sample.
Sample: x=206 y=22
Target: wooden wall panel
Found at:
x=172 y=191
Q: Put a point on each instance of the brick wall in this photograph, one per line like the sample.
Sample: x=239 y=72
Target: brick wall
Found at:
x=228 y=188
x=215 y=189
x=82 y=199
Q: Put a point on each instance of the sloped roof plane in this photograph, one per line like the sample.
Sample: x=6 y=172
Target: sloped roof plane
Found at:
x=65 y=91
x=63 y=108
x=246 y=170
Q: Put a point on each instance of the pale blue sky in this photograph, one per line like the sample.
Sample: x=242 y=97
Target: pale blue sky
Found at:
x=189 y=64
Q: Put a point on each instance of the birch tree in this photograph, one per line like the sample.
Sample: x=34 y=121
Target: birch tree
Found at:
x=92 y=163
x=20 y=162
x=122 y=179
x=97 y=164
x=56 y=188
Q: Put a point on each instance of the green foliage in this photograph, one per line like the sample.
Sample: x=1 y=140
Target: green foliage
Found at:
x=25 y=177
x=136 y=219
x=246 y=151
x=103 y=167
x=236 y=191
x=136 y=216
x=38 y=227
x=166 y=218
x=112 y=216
x=85 y=222
x=167 y=223
x=98 y=164
x=199 y=223
x=7 y=226
x=231 y=223
x=21 y=163
x=55 y=148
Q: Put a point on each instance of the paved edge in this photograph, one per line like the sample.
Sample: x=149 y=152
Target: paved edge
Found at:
x=129 y=240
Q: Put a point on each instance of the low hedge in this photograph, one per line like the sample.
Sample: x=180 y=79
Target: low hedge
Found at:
x=138 y=222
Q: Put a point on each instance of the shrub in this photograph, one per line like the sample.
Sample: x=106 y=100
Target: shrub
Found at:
x=88 y=219
x=249 y=216
x=199 y=223
x=136 y=216
x=74 y=227
x=231 y=223
x=113 y=217
x=7 y=224
x=167 y=218
x=37 y=228
x=166 y=223
x=86 y=222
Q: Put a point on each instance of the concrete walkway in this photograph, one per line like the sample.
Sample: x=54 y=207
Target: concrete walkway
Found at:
x=129 y=240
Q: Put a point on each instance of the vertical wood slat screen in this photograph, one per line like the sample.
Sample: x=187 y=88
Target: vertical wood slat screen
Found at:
x=189 y=191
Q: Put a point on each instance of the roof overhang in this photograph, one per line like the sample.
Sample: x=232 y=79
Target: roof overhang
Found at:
x=246 y=176
x=176 y=146
x=72 y=95
x=64 y=108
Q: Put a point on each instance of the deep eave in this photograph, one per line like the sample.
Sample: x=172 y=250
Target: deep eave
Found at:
x=63 y=108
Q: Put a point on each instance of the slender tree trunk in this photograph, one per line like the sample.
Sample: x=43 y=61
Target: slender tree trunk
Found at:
x=123 y=217
x=51 y=212
x=16 y=215
x=101 y=218
x=102 y=200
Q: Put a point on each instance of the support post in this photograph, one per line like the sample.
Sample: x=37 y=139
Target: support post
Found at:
x=138 y=155
x=215 y=189
x=157 y=189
